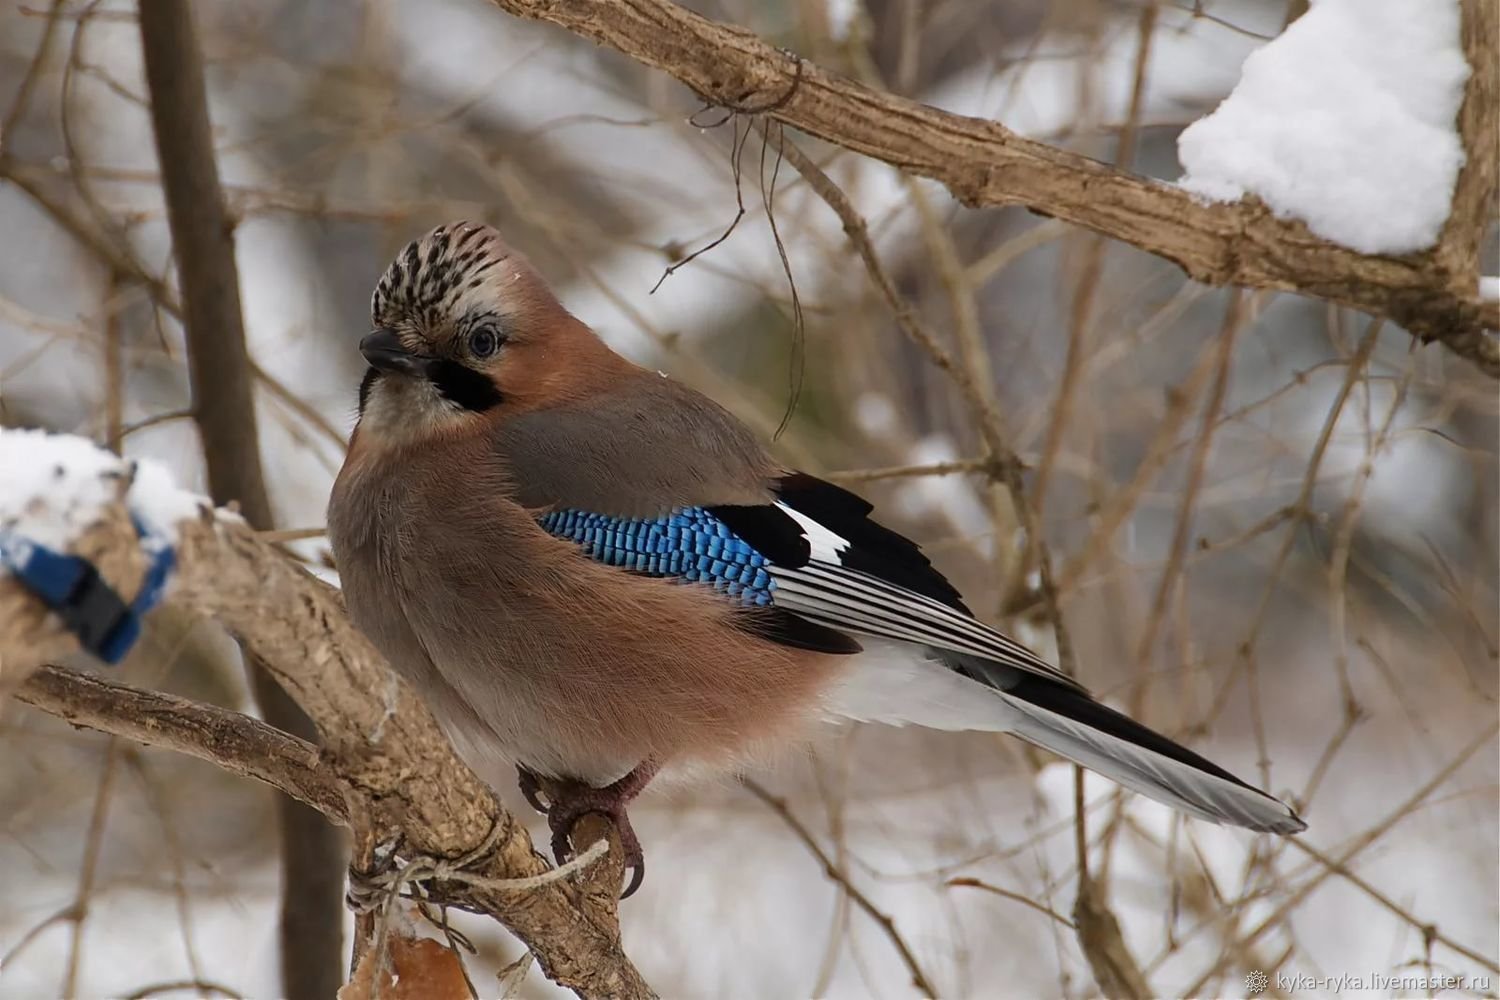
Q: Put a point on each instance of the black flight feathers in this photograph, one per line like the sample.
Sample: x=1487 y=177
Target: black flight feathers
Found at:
x=1079 y=706
x=872 y=548
x=837 y=573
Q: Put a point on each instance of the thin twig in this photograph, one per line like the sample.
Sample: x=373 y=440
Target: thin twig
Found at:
x=90 y=866
x=780 y=808
x=33 y=73
x=1017 y=897
x=1332 y=866
x=1428 y=930
x=970 y=465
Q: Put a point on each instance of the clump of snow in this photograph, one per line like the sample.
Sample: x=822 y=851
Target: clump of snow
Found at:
x=53 y=486
x=1347 y=120
x=1489 y=287
x=159 y=502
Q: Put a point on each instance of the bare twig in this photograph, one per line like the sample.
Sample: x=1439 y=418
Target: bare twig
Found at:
x=1115 y=968
x=1336 y=864
x=779 y=807
x=1234 y=318
x=22 y=100
x=201 y=987
x=1473 y=212
x=1428 y=929
x=1016 y=897
x=90 y=865
x=912 y=471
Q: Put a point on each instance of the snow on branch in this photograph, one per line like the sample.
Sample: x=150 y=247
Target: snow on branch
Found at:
x=1346 y=121
x=1433 y=293
x=385 y=769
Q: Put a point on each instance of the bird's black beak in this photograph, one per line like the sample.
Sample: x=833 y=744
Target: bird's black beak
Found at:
x=384 y=351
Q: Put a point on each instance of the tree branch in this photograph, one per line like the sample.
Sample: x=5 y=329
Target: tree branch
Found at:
x=312 y=852
x=1479 y=125
x=235 y=742
x=983 y=163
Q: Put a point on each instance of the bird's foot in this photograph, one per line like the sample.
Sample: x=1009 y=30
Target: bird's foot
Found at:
x=572 y=800
x=569 y=809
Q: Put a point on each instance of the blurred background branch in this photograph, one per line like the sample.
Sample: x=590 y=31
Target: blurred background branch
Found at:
x=311 y=850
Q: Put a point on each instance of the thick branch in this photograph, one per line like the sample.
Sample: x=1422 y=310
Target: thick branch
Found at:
x=983 y=163
x=235 y=742
x=312 y=853
x=1479 y=124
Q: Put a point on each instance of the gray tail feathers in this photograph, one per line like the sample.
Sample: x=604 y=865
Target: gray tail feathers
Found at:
x=1071 y=724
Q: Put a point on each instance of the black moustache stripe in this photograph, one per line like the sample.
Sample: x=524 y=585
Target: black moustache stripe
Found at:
x=464 y=386
x=365 y=385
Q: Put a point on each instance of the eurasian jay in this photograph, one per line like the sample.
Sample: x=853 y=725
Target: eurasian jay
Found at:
x=593 y=572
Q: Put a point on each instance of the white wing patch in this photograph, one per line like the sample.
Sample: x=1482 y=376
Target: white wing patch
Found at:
x=826 y=545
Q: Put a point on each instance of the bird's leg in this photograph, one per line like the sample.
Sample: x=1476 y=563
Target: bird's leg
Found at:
x=572 y=800
x=531 y=787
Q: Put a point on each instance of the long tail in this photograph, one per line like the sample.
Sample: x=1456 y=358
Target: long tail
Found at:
x=898 y=684
x=1072 y=724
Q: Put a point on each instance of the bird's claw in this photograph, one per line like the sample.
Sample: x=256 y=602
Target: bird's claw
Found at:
x=531 y=789
x=565 y=814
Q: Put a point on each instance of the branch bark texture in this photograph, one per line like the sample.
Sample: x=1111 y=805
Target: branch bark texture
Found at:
x=235 y=742
x=983 y=163
x=312 y=852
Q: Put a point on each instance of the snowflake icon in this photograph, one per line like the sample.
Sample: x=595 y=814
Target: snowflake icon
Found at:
x=1257 y=982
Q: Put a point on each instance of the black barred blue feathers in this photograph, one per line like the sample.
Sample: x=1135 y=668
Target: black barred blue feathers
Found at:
x=691 y=545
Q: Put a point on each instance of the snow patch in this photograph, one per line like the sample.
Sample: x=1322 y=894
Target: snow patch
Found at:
x=1347 y=121
x=1489 y=287
x=159 y=502
x=53 y=487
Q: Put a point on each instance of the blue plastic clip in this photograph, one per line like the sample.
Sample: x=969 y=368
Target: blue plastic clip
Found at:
x=73 y=589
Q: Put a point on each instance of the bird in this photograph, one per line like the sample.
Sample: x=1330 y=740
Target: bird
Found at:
x=596 y=575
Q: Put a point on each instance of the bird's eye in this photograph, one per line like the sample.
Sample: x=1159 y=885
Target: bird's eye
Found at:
x=484 y=341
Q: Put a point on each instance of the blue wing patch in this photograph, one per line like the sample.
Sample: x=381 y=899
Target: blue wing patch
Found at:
x=690 y=544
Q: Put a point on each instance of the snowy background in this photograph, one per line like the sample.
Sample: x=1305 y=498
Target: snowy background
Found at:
x=1330 y=631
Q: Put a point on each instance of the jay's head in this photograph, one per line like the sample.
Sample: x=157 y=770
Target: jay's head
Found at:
x=464 y=328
